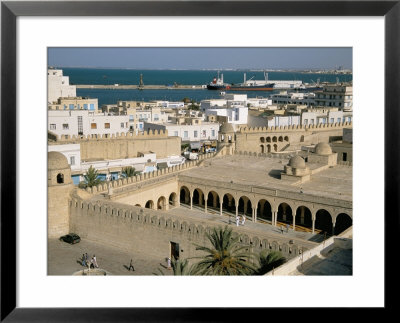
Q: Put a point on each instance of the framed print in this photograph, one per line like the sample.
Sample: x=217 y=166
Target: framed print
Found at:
x=37 y=283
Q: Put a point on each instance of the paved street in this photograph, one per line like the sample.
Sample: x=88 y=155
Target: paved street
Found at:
x=64 y=259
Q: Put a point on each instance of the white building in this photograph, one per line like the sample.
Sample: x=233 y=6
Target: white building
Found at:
x=278 y=121
x=337 y=95
x=235 y=115
x=169 y=105
x=327 y=116
x=284 y=97
x=75 y=103
x=81 y=122
x=188 y=132
x=58 y=86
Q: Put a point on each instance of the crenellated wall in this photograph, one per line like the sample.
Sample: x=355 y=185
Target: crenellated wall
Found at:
x=143 y=230
x=121 y=146
x=118 y=185
x=280 y=129
x=276 y=139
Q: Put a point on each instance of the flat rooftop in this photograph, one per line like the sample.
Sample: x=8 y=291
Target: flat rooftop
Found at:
x=265 y=172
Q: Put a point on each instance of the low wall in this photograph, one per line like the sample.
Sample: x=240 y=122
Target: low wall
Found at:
x=150 y=232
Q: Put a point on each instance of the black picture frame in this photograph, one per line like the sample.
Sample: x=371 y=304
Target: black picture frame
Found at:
x=10 y=10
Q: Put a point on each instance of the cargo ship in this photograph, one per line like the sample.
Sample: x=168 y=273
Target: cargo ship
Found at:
x=217 y=83
x=247 y=85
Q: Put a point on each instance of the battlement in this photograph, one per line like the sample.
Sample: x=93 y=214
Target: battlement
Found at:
x=150 y=134
x=142 y=178
x=296 y=128
x=124 y=225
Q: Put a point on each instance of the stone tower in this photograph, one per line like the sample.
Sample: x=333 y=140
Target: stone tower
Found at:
x=59 y=187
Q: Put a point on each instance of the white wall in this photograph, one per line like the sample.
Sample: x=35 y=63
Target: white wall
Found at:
x=58 y=86
x=66 y=123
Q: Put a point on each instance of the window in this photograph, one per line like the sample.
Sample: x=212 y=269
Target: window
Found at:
x=71 y=107
x=107 y=125
x=176 y=133
x=195 y=133
x=122 y=125
x=344 y=157
x=72 y=160
x=93 y=125
x=338 y=120
x=85 y=106
x=332 y=120
x=91 y=106
x=130 y=117
x=185 y=134
x=65 y=126
x=311 y=121
x=305 y=121
x=156 y=117
x=52 y=126
x=213 y=133
x=204 y=133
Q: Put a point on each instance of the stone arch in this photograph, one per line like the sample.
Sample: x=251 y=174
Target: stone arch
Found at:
x=302 y=138
x=184 y=194
x=262 y=139
x=323 y=222
x=268 y=148
x=285 y=213
x=198 y=197
x=173 y=199
x=228 y=203
x=343 y=221
x=138 y=205
x=274 y=139
x=213 y=199
x=264 y=210
x=244 y=205
x=149 y=204
x=280 y=139
x=304 y=218
x=286 y=138
x=161 y=203
x=60 y=178
x=268 y=139
x=262 y=148
x=275 y=147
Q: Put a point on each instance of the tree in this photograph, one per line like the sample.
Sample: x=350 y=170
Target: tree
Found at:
x=128 y=171
x=268 y=261
x=226 y=257
x=92 y=177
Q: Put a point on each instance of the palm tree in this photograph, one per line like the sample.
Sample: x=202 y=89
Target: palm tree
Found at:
x=128 y=171
x=92 y=177
x=226 y=257
x=268 y=261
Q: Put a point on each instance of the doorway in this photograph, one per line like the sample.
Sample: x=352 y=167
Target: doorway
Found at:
x=174 y=250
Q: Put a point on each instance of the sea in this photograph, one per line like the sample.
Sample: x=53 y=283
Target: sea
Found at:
x=94 y=76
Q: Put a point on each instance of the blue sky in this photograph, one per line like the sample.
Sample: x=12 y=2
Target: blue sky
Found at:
x=202 y=58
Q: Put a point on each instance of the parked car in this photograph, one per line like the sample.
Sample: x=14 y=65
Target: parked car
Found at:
x=71 y=238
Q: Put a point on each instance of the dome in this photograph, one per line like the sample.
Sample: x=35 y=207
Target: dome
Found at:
x=323 y=148
x=297 y=162
x=56 y=160
x=226 y=128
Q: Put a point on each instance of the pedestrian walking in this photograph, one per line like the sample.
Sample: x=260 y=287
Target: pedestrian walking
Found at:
x=95 y=261
x=282 y=229
x=86 y=258
x=287 y=228
x=237 y=221
x=83 y=260
x=169 y=263
x=131 y=266
x=243 y=219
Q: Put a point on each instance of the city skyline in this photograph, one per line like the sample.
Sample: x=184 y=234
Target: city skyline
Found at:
x=202 y=58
